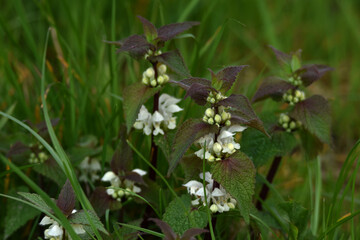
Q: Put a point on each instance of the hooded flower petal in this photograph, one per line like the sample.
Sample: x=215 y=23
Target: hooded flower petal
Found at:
x=46 y=221
x=109 y=176
x=139 y=171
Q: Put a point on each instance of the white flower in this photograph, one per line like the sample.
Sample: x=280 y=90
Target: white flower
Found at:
x=89 y=168
x=139 y=171
x=216 y=198
x=56 y=231
x=206 y=142
x=152 y=123
x=112 y=178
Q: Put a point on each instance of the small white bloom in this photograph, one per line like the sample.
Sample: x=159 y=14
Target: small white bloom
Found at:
x=139 y=171
x=46 y=221
x=112 y=178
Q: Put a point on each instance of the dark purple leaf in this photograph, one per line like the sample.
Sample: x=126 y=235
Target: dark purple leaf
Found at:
x=228 y=76
x=311 y=73
x=283 y=58
x=191 y=166
x=149 y=28
x=123 y=154
x=237 y=175
x=314 y=114
x=169 y=31
x=42 y=128
x=136 y=45
x=101 y=201
x=135 y=177
x=165 y=229
x=199 y=93
x=187 y=133
x=174 y=61
x=136 y=95
x=17 y=148
x=191 y=233
x=66 y=200
x=272 y=87
x=186 y=83
x=242 y=112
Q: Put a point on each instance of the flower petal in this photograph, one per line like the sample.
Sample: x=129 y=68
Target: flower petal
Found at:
x=139 y=171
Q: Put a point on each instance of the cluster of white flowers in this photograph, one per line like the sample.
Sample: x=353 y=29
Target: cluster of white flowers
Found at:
x=89 y=169
x=296 y=81
x=220 y=118
x=127 y=184
x=294 y=96
x=216 y=197
x=56 y=231
x=223 y=146
x=149 y=76
x=152 y=123
x=287 y=123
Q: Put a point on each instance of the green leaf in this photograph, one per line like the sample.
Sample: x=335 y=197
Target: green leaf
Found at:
x=187 y=133
x=237 y=175
x=295 y=62
x=80 y=218
x=136 y=95
x=36 y=200
x=174 y=61
x=192 y=165
x=149 y=29
x=314 y=114
x=165 y=143
x=17 y=214
x=51 y=170
x=261 y=149
x=181 y=219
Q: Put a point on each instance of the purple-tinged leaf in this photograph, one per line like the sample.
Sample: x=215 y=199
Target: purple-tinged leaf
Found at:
x=187 y=134
x=136 y=46
x=17 y=148
x=228 y=76
x=237 y=175
x=81 y=217
x=186 y=83
x=136 y=95
x=165 y=229
x=135 y=177
x=311 y=73
x=66 y=200
x=191 y=233
x=191 y=166
x=123 y=154
x=101 y=201
x=174 y=61
x=169 y=31
x=42 y=128
x=283 y=58
x=149 y=28
x=51 y=170
x=311 y=145
x=314 y=114
x=242 y=112
x=272 y=87
x=199 y=93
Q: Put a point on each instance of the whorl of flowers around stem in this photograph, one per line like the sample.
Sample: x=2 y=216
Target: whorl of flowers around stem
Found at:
x=56 y=232
x=293 y=96
x=148 y=77
x=162 y=119
x=217 y=198
x=37 y=155
x=116 y=183
x=289 y=124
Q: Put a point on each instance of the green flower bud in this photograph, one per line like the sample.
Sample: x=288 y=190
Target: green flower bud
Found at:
x=285 y=118
x=166 y=78
x=153 y=83
x=224 y=116
x=211 y=158
x=162 y=68
x=211 y=121
x=285 y=125
x=114 y=195
x=121 y=193
x=218 y=96
x=298 y=94
x=292 y=125
x=145 y=80
x=205 y=118
x=214 y=208
x=209 y=112
x=296 y=100
x=150 y=73
x=230 y=146
x=227 y=123
x=218 y=159
x=160 y=80
x=212 y=100
x=231 y=205
x=289 y=98
x=217 y=147
x=128 y=190
x=217 y=118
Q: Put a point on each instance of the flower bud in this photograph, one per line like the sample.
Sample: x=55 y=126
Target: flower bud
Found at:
x=224 y=116
x=211 y=158
x=231 y=205
x=227 y=123
x=153 y=83
x=296 y=100
x=298 y=94
x=145 y=80
x=285 y=118
x=289 y=98
x=292 y=125
x=218 y=159
x=217 y=118
x=298 y=123
x=205 y=118
x=150 y=73
x=214 y=208
x=218 y=96
x=230 y=146
x=217 y=147
x=114 y=195
x=212 y=100
x=211 y=121
x=121 y=193
x=162 y=69
x=209 y=112
x=166 y=78
x=285 y=125
x=127 y=193
x=160 y=80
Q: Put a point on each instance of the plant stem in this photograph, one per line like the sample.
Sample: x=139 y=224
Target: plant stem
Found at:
x=154 y=148
x=270 y=177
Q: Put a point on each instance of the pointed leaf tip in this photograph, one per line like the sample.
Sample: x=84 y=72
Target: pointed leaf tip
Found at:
x=66 y=200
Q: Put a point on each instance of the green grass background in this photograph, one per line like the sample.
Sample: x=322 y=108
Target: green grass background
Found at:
x=84 y=72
